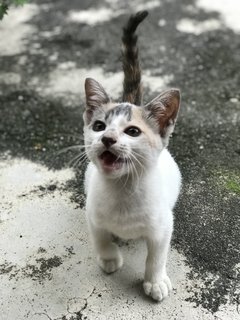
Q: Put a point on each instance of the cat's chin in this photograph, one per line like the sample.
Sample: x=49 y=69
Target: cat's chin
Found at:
x=110 y=163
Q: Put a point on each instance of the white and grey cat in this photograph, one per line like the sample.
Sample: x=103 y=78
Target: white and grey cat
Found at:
x=132 y=182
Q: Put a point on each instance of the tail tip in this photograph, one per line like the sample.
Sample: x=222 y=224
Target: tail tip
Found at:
x=134 y=21
x=141 y=15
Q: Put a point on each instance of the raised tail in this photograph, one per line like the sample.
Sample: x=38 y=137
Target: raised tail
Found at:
x=132 y=87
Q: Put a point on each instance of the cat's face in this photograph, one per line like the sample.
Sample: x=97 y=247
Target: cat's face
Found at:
x=121 y=138
x=119 y=141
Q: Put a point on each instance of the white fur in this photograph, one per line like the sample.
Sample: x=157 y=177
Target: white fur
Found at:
x=135 y=208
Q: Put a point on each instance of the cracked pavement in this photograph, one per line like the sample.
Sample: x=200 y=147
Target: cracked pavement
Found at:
x=47 y=265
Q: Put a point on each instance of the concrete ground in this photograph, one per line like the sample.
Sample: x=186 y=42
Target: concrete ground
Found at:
x=47 y=265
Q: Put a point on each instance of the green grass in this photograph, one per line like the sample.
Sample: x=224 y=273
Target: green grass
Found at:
x=233 y=185
x=4 y=6
x=228 y=180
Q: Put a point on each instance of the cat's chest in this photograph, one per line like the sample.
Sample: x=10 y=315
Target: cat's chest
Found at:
x=120 y=207
x=125 y=216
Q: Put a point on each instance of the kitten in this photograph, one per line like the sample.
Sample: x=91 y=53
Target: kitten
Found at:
x=131 y=182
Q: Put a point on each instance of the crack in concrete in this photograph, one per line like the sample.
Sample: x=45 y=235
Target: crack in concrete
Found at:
x=86 y=301
x=238 y=304
x=43 y=313
x=78 y=314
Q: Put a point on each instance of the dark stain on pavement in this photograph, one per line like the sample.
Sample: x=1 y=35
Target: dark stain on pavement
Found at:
x=42 y=269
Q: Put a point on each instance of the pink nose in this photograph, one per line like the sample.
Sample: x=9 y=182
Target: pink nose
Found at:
x=108 y=141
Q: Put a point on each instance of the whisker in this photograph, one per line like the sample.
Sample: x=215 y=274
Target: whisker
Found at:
x=137 y=154
x=141 y=167
x=135 y=171
x=80 y=161
x=76 y=158
x=140 y=164
x=125 y=148
x=132 y=170
x=74 y=147
x=135 y=158
x=128 y=169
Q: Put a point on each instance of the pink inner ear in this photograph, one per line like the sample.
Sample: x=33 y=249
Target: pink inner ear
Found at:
x=95 y=94
x=168 y=116
x=165 y=108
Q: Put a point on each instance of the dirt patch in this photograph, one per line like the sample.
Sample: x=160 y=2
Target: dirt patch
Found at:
x=42 y=270
x=6 y=268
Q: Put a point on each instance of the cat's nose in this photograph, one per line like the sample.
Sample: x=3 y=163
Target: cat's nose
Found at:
x=108 y=141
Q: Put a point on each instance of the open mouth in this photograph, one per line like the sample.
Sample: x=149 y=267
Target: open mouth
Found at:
x=110 y=161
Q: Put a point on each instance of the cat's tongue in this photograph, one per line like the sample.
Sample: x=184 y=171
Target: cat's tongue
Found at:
x=110 y=161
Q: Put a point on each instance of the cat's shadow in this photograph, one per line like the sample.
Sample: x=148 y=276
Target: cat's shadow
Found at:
x=131 y=288
x=125 y=280
x=126 y=277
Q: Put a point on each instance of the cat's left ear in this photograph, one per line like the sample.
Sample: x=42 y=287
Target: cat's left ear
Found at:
x=164 y=109
x=96 y=96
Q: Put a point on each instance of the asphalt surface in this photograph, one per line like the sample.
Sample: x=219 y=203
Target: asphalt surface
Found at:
x=46 y=51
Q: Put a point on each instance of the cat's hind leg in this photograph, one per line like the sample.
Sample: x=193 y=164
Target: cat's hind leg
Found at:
x=109 y=256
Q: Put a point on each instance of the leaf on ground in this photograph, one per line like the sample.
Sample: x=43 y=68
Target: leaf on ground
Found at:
x=3 y=10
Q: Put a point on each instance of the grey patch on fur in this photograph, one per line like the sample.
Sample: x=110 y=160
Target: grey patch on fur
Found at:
x=121 y=109
x=98 y=114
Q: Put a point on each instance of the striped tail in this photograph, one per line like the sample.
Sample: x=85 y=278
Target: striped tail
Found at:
x=132 y=87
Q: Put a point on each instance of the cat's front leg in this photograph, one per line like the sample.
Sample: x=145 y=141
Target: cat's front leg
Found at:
x=156 y=281
x=109 y=256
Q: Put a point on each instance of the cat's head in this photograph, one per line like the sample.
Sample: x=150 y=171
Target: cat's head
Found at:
x=124 y=139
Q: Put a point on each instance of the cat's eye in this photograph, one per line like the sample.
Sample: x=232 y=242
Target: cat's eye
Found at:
x=99 y=126
x=133 y=131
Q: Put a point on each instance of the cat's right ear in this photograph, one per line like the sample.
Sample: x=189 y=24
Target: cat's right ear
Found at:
x=96 y=96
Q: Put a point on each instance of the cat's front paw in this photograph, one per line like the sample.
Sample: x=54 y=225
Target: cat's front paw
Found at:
x=158 y=290
x=110 y=259
x=110 y=266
